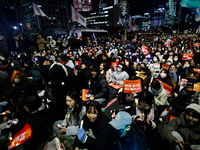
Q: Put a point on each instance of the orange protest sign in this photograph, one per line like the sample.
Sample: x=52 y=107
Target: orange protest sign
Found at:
x=84 y=94
x=187 y=56
x=114 y=65
x=167 y=87
x=132 y=86
x=196 y=87
x=196 y=70
x=115 y=86
x=21 y=137
x=77 y=63
x=165 y=66
x=14 y=75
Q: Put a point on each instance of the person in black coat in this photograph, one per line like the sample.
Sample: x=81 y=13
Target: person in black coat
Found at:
x=99 y=86
x=36 y=116
x=94 y=122
x=84 y=74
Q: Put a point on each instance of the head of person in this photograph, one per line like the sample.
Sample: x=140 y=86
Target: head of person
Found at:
x=47 y=61
x=20 y=77
x=193 y=76
x=84 y=65
x=104 y=56
x=156 y=59
x=118 y=59
x=163 y=73
x=121 y=123
x=192 y=62
x=40 y=35
x=172 y=68
x=32 y=103
x=171 y=52
x=119 y=67
x=189 y=89
x=168 y=62
x=143 y=67
x=103 y=67
x=93 y=111
x=175 y=58
x=95 y=71
x=72 y=99
x=186 y=64
x=155 y=85
x=146 y=100
x=192 y=114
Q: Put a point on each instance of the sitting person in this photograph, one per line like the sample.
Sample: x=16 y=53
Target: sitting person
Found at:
x=36 y=116
x=124 y=134
x=99 y=86
x=186 y=97
x=94 y=123
x=67 y=128
x=184 y=132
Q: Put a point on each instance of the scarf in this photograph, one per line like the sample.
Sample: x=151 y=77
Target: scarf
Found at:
x=174 y=75
x=69 y=115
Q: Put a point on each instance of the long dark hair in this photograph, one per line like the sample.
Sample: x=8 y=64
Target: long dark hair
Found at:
x=78 y=105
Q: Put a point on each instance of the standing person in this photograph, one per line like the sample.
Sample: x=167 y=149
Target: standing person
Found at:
x=41 y=43
x=52 y=44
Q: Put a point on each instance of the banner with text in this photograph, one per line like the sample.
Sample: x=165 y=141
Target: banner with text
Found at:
x=21 y=137
x=167 y=87
x=78 y=17
x=132 y=86
x=187 y=56
x=165 y=66
x=114 y=65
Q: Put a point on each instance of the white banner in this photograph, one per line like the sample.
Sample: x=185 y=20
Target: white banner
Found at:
x=78 y=17
x=38 y=11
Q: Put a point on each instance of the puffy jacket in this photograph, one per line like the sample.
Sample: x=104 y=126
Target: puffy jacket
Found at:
x=191 y=135
x=120 y=76
x=99 y=87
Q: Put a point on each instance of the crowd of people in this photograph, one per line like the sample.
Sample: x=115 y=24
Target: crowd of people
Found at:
x=63 y=87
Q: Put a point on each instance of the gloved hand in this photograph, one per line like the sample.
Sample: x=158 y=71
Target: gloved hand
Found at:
x=81 y=135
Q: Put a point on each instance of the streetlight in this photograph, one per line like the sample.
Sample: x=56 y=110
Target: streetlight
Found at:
x=15 y=27
x=20 y=24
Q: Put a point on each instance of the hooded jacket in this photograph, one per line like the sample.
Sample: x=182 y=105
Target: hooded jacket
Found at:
x=120 y=76
x=190 y=134
x=99 y=87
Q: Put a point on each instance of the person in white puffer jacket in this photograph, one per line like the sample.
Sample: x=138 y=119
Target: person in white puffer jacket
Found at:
x=119 y=75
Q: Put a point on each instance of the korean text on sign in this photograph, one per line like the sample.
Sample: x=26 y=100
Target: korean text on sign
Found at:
x=132 y=86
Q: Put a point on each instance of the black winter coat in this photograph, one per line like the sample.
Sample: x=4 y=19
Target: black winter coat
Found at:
x=99 y=87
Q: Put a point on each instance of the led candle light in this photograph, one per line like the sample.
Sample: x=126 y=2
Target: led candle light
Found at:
x=81 y=126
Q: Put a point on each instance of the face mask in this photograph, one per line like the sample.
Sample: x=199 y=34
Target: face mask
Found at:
x=12 y=64
x=187 y=65
x=170 y=54
x=163 y=75
x=155 y=59
x=16 y=80
x=157 y=54
x=119 y=69
x=168 y=63
x=175 y=59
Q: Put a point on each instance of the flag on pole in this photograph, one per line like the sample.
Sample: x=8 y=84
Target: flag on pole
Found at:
x=190 y=3
x=38 y=11
x=120 y=21
x=78 y=17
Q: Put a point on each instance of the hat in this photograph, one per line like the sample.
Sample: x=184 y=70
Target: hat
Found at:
x=193 y=106
x=121 y=120
x=120 y=65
